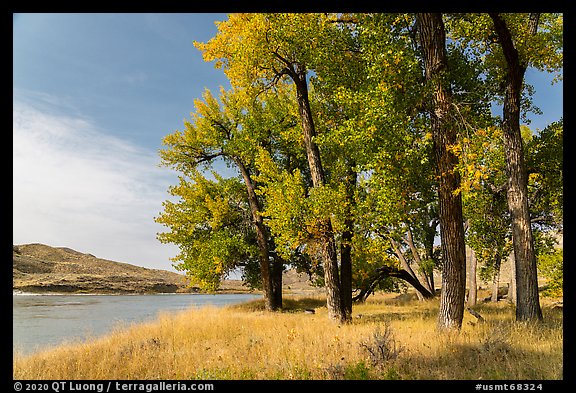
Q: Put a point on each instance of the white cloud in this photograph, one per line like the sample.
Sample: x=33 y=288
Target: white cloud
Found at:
x=135 y=77
x=77 y=187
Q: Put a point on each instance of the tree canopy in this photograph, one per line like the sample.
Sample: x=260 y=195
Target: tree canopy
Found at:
x=366 y=144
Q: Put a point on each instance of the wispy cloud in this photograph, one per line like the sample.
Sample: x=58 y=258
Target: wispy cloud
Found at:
x=78 y=187
x=135 y=77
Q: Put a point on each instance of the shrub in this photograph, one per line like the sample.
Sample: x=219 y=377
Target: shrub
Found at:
x=383 y=347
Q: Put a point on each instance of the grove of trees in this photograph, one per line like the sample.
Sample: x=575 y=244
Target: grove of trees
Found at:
x=369 y=156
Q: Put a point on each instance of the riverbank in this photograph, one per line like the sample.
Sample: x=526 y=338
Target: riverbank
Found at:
x=390 y=337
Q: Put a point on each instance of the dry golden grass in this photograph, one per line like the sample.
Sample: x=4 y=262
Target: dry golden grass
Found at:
x=245 y=342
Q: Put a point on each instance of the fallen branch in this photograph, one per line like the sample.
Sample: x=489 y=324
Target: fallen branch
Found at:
x=476 y=314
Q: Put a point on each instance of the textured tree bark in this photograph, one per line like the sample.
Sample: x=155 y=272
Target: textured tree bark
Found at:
x=272 y=301
x=527 y=297
x=324 y=226
x=433 y=40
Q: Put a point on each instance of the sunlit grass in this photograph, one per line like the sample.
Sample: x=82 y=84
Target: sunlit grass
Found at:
x=246 y=342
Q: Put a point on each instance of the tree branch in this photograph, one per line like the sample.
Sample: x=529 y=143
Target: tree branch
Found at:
x=382 y=273
x=498 y=189
x=207 y=157
x=505 y=39
x=226 y=130
x=198 y=156
x=350 y=21
x=402 y=258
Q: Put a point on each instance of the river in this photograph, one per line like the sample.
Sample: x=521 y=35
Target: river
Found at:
x=41 y=321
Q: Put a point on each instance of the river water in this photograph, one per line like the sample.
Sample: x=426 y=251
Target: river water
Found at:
x=41 y=321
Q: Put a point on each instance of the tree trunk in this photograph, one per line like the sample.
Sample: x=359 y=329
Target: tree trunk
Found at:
x=430 y=238
x=324 y=225
x=403 y=262
x=472 y=284
x=433 y=40
x=496 y=278
x=276 y=281
x=512 y=284
x=495 y=285
x=346 y=245
x=406 y=273
x=405 y=265
x=271 y=300
x=421 y=275
x=431 y=282
x=527 y=297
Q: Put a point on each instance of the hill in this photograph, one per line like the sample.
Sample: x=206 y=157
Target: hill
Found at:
x=40 y=268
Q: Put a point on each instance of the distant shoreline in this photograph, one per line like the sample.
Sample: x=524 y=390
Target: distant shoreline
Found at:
x=42 y=269
x=222 y=291
x=21 y=293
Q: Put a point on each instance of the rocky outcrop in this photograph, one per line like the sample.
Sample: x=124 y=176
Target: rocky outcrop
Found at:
x=41 y=269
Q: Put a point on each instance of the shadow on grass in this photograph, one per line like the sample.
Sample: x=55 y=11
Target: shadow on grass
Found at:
x=299 y=304
x=389 y=316
x=491 y=359
x=497 y=349
x=423 y=311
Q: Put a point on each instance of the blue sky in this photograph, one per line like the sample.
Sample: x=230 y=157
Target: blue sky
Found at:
x=93 y=96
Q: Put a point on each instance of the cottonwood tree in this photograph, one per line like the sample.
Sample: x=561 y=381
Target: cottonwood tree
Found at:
x=483 y=170
x=339 y=75
x=509 y=44
x=398 y=212
x=382 y=103
x=261 y=50
x=484 y=180
x=366 y=107
x=527 y=297
x=235 y=130
x=432 y=36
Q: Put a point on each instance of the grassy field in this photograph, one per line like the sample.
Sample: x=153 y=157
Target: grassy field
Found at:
x=390 y=338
